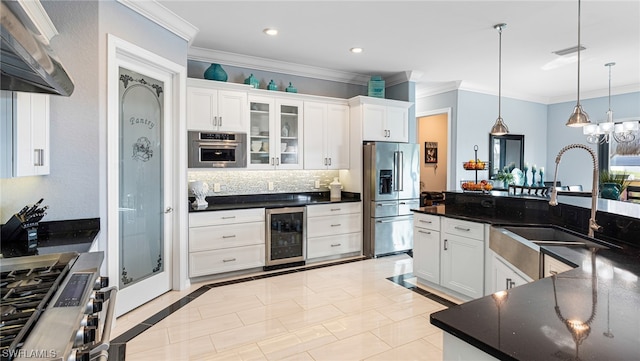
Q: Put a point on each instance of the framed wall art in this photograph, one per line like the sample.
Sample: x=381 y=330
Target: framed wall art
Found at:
x=430 y=152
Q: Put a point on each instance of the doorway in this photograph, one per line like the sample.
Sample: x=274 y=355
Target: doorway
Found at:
x=144 y=107
x=433 y=137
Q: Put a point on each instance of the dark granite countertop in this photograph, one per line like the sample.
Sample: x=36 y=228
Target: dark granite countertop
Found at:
x=603 y=293
x=276 y=200
x=76 y=235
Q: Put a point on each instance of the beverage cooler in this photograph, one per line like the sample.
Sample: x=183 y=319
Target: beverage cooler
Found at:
x=286 y=236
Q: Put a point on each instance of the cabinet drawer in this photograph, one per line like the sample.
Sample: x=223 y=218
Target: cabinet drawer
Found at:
x=200 y=219
x=219 y=237
x=463 y=228
x=333 y=209
x=332 y=225
x=333 y=245
x=426 y=221
x=225 y=260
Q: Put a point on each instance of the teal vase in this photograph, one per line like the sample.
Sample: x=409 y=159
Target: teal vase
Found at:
x=215 y=72
x=610 y=191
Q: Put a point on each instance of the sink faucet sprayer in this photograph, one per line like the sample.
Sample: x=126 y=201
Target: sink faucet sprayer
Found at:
x=593 y=226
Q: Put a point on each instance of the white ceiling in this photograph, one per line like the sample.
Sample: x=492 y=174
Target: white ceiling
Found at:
x=439 y=43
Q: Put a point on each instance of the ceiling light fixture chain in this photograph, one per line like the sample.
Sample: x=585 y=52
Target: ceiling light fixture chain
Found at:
x=499 y=128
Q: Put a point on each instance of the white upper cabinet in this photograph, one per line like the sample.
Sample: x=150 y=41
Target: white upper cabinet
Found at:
x=25 y=133
x=216 y=106
x=382 y=119
x=326 y=136
x=276 y=133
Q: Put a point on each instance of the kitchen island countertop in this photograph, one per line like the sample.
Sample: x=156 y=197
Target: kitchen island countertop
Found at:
x=588 y=313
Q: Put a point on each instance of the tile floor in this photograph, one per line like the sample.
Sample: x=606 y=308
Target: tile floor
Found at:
x=349 y=311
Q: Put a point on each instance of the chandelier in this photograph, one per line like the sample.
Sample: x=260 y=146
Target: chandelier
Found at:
x=623 y=132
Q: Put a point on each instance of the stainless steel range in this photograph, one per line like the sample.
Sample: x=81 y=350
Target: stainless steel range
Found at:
x=51 y=308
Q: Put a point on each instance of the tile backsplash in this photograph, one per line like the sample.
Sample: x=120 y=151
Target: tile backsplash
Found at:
x=257 y=182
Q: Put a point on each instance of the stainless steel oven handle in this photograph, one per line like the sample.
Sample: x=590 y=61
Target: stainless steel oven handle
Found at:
x=217 y=144
x=108 y=322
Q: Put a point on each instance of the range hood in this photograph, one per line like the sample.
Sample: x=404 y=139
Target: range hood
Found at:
x=27 y=62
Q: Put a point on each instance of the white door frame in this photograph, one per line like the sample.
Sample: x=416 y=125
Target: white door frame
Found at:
x=450 y=141
x=122 y=53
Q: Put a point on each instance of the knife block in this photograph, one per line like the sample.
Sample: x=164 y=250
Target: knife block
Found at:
x=17 y=232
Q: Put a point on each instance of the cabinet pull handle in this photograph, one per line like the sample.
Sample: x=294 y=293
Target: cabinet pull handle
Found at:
x=325 y=161
x=272 y=161
x=277 y=160
x=231 y=236
x=220 y=121
x=335 y=209
x=215 y=121
x=229 y=217
x=425 y=232
x=336 y=225
x=38 y=157
x=512 y=284
x=329 y=161
x=423 y=221
x=462 y=228
x=336 y=245
x=446 y=244
x=508 y=282
x=229 y=260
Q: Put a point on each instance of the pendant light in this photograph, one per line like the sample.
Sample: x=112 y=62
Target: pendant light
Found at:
x=579 y=117
x=499 y=128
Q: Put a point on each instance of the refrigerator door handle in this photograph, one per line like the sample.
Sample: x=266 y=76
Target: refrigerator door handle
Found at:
x=398 y=159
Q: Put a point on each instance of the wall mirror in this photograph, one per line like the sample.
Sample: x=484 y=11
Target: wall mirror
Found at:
x=504 y=150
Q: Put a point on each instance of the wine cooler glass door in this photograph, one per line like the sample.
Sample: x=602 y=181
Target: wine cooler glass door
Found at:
x=286 y=235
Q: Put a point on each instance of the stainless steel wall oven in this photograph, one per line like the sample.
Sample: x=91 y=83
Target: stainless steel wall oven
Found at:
x=217 y=150
x=286 y=236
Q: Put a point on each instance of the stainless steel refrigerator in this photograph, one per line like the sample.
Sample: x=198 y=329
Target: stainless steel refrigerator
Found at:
x=391 y=190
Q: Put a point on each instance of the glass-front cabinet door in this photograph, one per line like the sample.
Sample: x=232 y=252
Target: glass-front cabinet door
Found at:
x=289 y=116
x=275 y=133
x=261 y=118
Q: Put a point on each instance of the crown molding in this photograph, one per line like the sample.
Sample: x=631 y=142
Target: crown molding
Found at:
x=599 y=93
x=162 y=16
x=424 y=90
x=403 y=77
x=40 y=19
x=276 y=66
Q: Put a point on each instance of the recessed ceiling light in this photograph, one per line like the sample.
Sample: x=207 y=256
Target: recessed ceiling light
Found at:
x=270 y=31
x=356 y=50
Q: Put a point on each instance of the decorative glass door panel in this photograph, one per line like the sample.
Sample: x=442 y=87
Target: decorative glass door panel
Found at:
x=140 y=178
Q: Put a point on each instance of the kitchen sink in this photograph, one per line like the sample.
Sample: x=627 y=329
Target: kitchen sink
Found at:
x=520 y=245
x=547 y=236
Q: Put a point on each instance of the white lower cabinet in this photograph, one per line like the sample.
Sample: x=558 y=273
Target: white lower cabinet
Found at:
x=426 y=247
x=504 y=275
x=334 y=229
x=225 y=241
x=448 y=254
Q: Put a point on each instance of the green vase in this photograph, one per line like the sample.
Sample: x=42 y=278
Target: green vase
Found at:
x=215 y=72
x=610 y=191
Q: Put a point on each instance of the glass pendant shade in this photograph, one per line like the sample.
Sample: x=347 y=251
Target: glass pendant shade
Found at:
x=499 y=128
x=578 y=118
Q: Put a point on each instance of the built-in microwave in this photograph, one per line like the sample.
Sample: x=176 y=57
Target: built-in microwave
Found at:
x=217 y=149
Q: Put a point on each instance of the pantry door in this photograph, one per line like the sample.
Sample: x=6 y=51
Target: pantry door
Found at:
x=140 y=175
